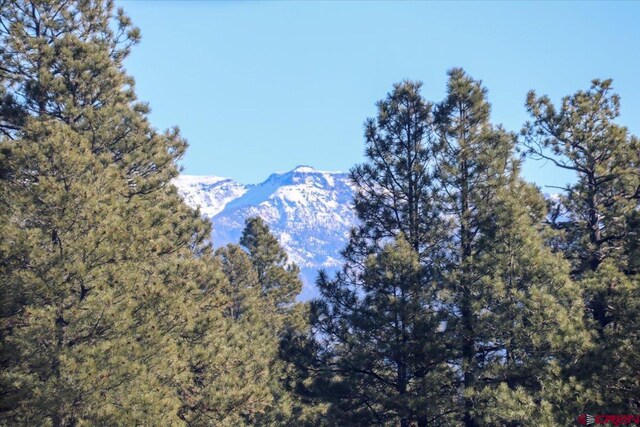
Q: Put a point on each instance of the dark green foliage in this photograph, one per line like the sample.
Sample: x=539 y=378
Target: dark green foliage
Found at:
x=450 y=308
x=380 y=350
x=106 y=285
x=598 y=222
x=503 y=286
x=114 y=310
x=393 y=192
x=454 y=306
x=244 y=289
x=279 y=318
x=102 y=278
x=236 y=368
x=280 y=281
x=583 y=137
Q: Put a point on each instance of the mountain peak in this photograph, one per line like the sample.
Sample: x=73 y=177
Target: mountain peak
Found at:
x=308 y=210
x=304 y=169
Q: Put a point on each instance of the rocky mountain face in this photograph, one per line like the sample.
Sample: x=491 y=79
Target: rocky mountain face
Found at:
x=309 y=211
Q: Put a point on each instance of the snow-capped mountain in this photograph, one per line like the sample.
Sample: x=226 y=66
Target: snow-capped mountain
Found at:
x=209 y=193
x=308 y=210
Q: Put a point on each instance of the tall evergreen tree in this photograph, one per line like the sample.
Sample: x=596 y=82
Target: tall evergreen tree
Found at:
x=108 y=276
x=384 y=345
x=380 y=352
x=244 y=291
x=512 y=305
x=235 y=370
x=279 y=280
x=282 y=319
x=393 y=189
x=597 y=216
x=103 y=287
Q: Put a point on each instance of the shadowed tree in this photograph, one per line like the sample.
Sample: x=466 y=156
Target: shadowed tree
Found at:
x=380 y=354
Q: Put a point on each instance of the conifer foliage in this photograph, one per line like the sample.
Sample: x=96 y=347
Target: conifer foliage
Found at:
x=514 y=312
x=462 y=301
x=597 y=216
x=378 y=320
x=114 y=309
x=279 y=280
x=97 y=240
x=450 y=309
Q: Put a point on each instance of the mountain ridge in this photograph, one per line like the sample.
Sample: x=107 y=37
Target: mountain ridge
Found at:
x=308 y=210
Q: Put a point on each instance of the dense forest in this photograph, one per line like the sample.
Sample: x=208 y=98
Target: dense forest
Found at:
x=466 y=298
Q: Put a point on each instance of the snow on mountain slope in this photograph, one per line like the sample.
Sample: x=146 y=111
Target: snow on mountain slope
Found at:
x=210 y=193
x=308 y=210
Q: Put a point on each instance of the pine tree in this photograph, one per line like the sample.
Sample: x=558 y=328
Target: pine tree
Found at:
x=380 y=355
x=282 y=320
x=108 y=276
x=386 y=345
x=235 y=375
x=513 y=309
x=99 y=289
x=244 y=291
x=597 y=216
x=394 y=195
x=280 y=281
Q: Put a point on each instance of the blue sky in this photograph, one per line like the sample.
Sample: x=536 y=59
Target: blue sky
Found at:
x=258 y=87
